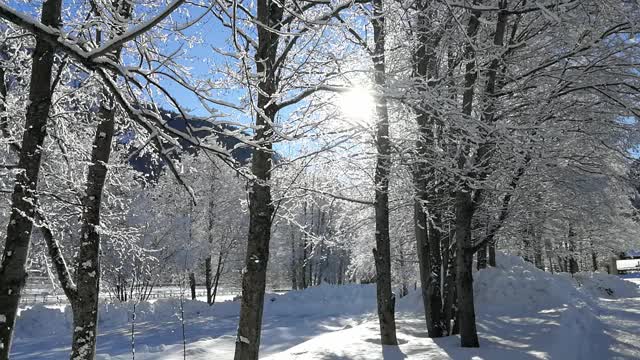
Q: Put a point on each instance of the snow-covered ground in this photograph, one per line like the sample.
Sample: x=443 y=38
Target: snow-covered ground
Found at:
x=523 y=313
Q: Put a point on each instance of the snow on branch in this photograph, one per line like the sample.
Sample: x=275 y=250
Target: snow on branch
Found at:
x=150 y=121
x=132 y=34
x=59 y=263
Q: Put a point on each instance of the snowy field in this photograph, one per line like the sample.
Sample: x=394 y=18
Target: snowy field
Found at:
x=523 y=313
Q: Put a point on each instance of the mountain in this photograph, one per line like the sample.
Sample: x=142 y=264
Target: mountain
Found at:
x=152 y=167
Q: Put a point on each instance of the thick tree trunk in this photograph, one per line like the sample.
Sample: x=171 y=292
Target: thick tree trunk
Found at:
x=428 y=237
x=434 y=315
x=13 y=274
x=450 y=311
x=269 y=15
x=464 y=276
x=466 y=200
x=382 y=252
x=465 y=208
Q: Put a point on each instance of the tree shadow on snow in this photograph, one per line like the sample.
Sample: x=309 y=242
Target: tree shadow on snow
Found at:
x=390 y=352
x=533 y=337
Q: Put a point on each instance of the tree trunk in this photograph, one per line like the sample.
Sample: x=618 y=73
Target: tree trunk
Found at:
x=404 y=287
x=13 y=274
x=465 y=208
x=192 y=285
x=450 y=311
x=208 y=279
x=481 y=257
x=294 y=266
x=464 y=276
x=537 y=251
x=85 y=305
x=305 y=259
x=492 y=253
x=428 y=237
x=382 y=252
x=207 y=264
x=573 y=263
x=269 y=16
x=216 y=278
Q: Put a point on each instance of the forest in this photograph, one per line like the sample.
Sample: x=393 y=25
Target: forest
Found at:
x=239 y=159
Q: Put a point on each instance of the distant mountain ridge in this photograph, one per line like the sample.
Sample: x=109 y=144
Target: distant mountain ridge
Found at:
x=151 y=166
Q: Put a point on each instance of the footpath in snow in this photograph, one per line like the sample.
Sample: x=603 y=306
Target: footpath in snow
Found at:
x=523 y=313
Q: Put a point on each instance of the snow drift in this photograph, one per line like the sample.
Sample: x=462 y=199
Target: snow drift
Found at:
x=323 y=300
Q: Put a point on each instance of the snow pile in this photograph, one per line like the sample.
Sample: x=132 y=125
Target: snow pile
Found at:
x=324 y=299
x=39 y=321
x=517 y=283
x=605 y=285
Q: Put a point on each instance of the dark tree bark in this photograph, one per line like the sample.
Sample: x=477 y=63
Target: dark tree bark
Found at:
x=208 y=279
x=466 y=198
x=294 y=263
x=192 y=285
x=13 y=274
x=573 y=262
x=537 y=250
x=269 y=15
x=428 y=237
x=216 y=277
x=464 y=276
x=450 y=306
x=492 y=253
x=465 y=208
x=481 y=257
x=382 y=252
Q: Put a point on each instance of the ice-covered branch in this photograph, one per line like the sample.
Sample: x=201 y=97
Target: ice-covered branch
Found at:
x=134 y=33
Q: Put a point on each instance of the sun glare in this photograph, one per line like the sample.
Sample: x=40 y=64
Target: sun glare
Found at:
x=358 y=105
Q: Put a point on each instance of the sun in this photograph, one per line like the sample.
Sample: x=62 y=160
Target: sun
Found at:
x=358 y=104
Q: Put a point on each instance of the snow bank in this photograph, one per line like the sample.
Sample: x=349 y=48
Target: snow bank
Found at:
x=323 y=300
x=39 y=321
x=558 y=311
x=515 y=283
x=605 y=285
